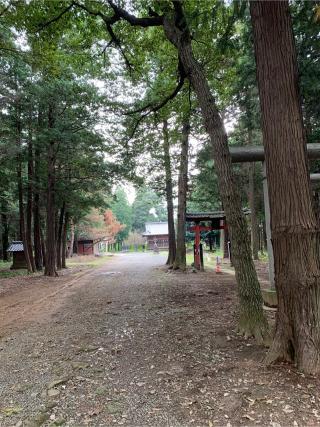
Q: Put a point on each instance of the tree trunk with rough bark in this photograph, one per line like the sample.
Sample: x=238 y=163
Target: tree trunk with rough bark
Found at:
x=70 y=251
x=293 y=223
x=180 y=259
x=252 y=320
x=64 y=240
x=50 y=265
x=169 y=197
x=38 y=255
x=30 y=199
x=43 y=248
x=23 y=236
x=5 y=231
x=60 y=236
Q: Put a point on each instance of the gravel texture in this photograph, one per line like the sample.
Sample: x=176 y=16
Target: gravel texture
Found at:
x=131 y=344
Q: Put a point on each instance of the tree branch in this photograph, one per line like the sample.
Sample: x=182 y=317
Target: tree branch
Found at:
x=56 y=18
x=119 y=13
x=153 y=20
x=154 y=108
x=137 y=124
x=116 y=41
x=5 y=9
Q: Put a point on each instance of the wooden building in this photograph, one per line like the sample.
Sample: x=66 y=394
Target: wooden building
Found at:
x=18 y=256
x=89 y=245
x=85 y=247
x=156 y=233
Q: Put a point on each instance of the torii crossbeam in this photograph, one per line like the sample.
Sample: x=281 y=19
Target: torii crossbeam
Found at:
x=256 y=154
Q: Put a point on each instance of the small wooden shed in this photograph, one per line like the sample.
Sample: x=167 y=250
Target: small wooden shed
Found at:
x=18 y=256
x=89 y=245
x=85 y=247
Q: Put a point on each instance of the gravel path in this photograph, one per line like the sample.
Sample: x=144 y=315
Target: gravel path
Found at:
x=129 y=344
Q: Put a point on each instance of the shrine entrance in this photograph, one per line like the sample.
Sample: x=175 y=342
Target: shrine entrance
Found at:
x=206 y=221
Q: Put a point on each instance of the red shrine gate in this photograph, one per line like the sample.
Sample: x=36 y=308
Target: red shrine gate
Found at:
x=217 y=221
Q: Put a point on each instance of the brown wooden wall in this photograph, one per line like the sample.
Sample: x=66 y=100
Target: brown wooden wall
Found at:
x=85 y=247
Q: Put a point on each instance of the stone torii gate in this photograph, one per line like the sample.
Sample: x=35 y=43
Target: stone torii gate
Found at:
x=247 y=154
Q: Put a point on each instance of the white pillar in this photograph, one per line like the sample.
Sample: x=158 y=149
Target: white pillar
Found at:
x=268 y=225
x=222 y=237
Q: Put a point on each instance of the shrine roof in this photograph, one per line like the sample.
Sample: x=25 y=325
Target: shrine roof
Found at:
x=16 y=246
x=208 y=216
x=156 y=228
x=204 y=216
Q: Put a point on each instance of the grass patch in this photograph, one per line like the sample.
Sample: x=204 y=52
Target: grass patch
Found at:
x=5 y=271
x=87 y=260
x=209 y=258
x=263 y=256
x=5 y=265
x=5 y=274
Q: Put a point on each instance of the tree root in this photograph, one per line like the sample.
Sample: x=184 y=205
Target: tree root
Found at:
x=180 y=267
x=274 y=356
x=51 y=275
x=259 y=330
x=281 y=350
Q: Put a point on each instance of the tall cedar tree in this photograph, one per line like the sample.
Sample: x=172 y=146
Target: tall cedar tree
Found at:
x=169 y=194
x=293 y=224
x=180 y=259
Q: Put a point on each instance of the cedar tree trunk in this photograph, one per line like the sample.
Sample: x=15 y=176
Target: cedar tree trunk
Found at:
x=5 y=232
x=70 y=251
x=38 y=255
x=23 y=236
x=169 y=197
x=50 y=264
x=43 y=248
x=252 y=319
x=293 y=223
x=30 y=199
x=64 y=240
x=180 y=260
x=59 y=236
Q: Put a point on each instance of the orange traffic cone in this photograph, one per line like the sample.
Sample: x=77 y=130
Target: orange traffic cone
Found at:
x=218 y=269
x=218 y=265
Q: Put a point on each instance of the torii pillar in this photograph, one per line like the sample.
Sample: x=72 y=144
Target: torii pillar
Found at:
x=256 y=154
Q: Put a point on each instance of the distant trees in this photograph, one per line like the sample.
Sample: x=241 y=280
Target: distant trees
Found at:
x=99 y=224
x=121 y=209
x=113 y=226
x=51 y=155
x=147 y=206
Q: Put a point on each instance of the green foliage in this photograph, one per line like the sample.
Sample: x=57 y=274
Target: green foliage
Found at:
x=37 y=82
x=147 y=207
x=122 y=211
x=204 y=194
x=306 y=30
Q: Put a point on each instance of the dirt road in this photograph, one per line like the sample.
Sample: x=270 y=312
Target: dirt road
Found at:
x=129 y=344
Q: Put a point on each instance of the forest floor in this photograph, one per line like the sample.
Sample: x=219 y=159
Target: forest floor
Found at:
x=127 y=343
